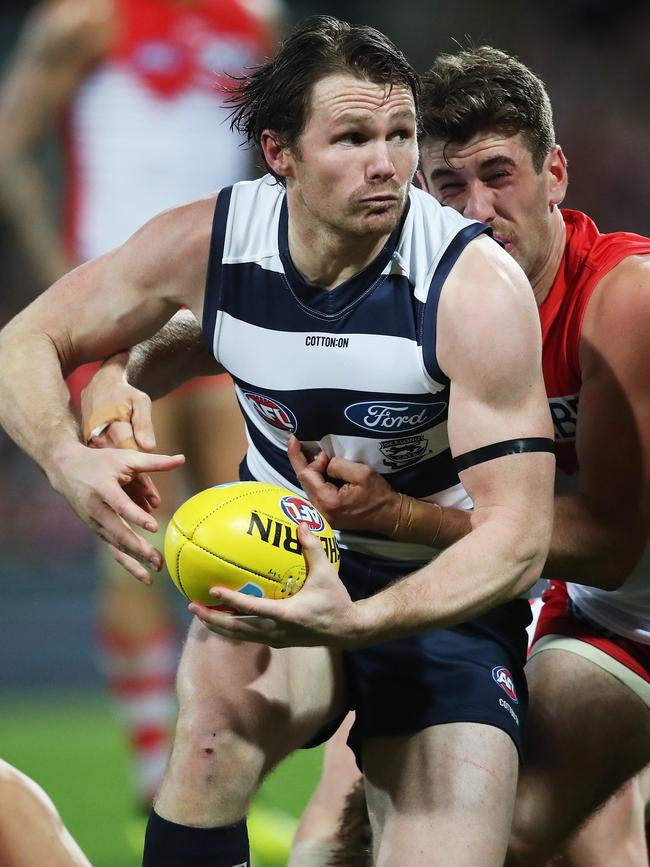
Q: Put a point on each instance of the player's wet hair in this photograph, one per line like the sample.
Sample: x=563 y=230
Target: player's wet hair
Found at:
x=277 y=94
x=486 y=90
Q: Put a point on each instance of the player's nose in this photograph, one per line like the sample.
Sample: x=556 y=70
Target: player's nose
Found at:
x=380 y=162
x=479 y=205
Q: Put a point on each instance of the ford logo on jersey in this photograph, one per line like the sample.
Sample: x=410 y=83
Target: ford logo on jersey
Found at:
x=396 y=416
x=503 y=677
x=272 y=412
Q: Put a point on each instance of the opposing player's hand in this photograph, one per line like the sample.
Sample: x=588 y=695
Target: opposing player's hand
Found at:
x=322 y=613
x=114 y=414
x=94 y=482
x=365 y=501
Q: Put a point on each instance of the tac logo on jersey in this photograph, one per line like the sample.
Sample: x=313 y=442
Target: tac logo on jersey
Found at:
x=403 y=451
x=564 y=411
x=272 y=412
x=301 y=512
x=394 y=416
x=503 y=677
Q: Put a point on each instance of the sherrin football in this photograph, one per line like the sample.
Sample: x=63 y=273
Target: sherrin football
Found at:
x=243 y=536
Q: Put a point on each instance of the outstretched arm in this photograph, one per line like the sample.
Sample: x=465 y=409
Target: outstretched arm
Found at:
x=96 y=310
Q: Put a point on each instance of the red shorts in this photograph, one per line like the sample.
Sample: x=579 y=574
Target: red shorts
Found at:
x=560 y=616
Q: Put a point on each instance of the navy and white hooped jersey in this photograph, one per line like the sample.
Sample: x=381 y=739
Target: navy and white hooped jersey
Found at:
x=350 y=370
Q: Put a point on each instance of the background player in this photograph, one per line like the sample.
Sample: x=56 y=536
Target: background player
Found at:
x=134 y=90
x=347 y=152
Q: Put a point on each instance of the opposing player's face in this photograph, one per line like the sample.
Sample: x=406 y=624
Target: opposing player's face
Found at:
x=491 y=178
x=356 y=156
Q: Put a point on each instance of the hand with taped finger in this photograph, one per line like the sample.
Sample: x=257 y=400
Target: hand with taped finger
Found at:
x=322 y=613
x=364 y=500
x=114 y=414
x=94 y=481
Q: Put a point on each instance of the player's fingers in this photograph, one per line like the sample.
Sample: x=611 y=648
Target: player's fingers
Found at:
x=296 y=455
x=143 y=423
x=348 y=471
x=130 y=564
x=118 y=500
x=143 y=493
x=120 y=435
x=143 y=462
x=102 y=417
x=117 y=532
x=242 y=603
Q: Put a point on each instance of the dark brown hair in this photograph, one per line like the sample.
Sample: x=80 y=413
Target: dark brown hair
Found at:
x=276 y=95
x=484 y=89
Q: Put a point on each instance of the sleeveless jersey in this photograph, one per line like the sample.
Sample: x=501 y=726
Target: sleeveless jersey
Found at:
x=148 y=128
x=588 y=257
x=352 y=370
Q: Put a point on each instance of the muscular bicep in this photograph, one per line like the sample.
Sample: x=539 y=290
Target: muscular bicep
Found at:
x=490 y=345
x=117 y=300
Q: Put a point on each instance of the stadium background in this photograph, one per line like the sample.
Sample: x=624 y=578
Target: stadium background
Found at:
x=54 y=718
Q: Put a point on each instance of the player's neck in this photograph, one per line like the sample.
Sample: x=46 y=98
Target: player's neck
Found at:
x=543 y=280
x=326 y=257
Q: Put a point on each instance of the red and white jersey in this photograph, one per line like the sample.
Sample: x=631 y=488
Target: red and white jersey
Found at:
x=588 y=257
x=148 y=128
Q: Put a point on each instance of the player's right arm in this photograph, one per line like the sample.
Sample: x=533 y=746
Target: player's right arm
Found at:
x=98 y=309
x=58 y=45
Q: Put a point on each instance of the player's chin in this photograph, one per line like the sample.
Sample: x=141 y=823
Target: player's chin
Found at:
x=380 y=221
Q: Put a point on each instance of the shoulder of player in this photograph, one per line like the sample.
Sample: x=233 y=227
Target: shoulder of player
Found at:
x=487 y=310
x=67 y=31
x=487 y=279
x=617 y=314
x=172 y=249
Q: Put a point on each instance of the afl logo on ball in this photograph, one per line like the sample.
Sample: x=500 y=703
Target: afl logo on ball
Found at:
x=503 y=677
x=301 y=512
x=272 y=412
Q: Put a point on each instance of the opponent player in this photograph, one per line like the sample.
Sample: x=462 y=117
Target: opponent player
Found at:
x=340 y=278
x=133 y=86
x=489 y=151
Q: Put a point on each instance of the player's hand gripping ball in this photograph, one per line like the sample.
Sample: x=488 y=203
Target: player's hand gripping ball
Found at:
x=243 y=536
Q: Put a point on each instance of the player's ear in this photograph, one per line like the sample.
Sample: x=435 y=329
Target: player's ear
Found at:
x=556 y=166
x=277 y=156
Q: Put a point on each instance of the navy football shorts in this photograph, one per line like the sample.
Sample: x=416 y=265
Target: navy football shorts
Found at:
x=472 y=672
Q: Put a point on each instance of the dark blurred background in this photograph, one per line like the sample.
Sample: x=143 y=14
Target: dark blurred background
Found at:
x=593 y=56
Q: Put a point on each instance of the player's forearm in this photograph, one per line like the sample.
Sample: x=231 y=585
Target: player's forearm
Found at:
x=425 y=523
x=34 y=398
x=171 y=357
x=498 y=561
x=592 y=549
x=25 y=204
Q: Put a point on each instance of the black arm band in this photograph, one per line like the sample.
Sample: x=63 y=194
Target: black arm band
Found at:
x=498 y=450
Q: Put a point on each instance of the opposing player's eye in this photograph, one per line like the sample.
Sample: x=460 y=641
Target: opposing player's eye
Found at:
x=451 y=187
x=402 y=135
x=497 y=176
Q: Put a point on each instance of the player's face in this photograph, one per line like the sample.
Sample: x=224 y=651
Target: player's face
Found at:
x=491 y=178
x=356 y=156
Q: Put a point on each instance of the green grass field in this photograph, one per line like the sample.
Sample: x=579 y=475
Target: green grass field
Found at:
x=73 y=748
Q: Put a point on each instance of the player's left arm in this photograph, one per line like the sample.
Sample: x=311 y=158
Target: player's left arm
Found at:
x=489 y=344
x=600 y=532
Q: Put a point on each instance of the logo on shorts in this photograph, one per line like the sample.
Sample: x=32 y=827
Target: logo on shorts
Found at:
x=503 y=677
x=301 y=512
x=272 y=412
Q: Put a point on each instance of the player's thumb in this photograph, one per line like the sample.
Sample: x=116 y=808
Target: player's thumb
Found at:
x=312 y=549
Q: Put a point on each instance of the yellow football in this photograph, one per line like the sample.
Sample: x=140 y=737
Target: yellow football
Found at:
x=243 y=536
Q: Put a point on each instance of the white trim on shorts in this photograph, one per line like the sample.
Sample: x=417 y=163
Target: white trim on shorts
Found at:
x=603 y=660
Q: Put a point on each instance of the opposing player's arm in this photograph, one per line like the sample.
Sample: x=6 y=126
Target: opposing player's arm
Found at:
x=123 y=388
x=489 y=344
x=100 y=308
x=58 y=45
x=600 y=532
